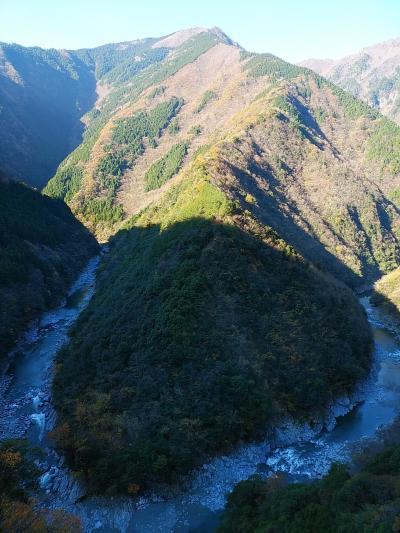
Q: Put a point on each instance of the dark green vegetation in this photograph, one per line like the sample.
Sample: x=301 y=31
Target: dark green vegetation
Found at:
x=128 y=138
x=384 y=146
x=368 y=500
x=165 y=168
x=258 y=65
x=207 y=97
x=205 y=328
x=18 y=477
x=42 y=248
x=65 y=184
x=127 y=143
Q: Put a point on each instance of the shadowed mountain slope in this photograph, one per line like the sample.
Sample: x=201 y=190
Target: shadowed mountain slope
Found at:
x=42 y=249
x=205 y=330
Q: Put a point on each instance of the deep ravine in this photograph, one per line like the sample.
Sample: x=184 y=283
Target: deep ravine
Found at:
x=300 y=451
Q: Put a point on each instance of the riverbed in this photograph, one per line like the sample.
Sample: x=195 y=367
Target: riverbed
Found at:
x=301 y=452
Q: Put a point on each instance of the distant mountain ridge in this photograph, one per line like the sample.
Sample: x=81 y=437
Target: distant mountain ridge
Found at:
x=372 y=74
x=45 y=93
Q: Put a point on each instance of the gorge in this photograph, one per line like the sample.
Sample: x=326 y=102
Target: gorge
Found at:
x=243 y=204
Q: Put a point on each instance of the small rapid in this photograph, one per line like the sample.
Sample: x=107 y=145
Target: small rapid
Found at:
x=300 y=451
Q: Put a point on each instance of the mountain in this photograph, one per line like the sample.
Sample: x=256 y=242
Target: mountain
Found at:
x=42 y=249
x=372 y=75
x=318 y=166
x=239 y=195
x=45 y=93
x=241 y=191
x=206 y=329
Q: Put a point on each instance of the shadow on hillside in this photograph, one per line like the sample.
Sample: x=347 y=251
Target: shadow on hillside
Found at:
x=268 y=209
x=50 y=104
x=199 y=335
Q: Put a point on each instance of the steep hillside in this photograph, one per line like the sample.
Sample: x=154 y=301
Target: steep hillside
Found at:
x=318 y=166
x=372 y=75
x=364 y=501
x=44 y=95
x=42 y=249
x=205 y=329
x=137 y=123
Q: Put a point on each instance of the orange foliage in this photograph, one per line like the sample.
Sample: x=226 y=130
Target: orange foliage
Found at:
x=10 y=459
x=23 y=518
x=133 y=489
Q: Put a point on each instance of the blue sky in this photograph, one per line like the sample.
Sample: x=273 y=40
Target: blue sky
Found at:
x=292 y=29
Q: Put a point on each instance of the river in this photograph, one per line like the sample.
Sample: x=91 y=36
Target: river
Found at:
x=25 y=411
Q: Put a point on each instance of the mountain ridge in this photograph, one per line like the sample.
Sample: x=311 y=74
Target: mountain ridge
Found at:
x=372 y=74
x=41 y=125
x=335 y=141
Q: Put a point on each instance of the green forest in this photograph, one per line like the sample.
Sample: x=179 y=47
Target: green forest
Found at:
x=367 y=501
x=203 y=330
x=165 y=168
x=42 y=249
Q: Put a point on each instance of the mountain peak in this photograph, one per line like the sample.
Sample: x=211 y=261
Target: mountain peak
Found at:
x=174 y=40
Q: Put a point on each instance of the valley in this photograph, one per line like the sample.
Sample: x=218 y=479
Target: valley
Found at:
x=242 y=204
x=301 y=451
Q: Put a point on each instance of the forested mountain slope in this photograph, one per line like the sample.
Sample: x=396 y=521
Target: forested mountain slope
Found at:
x=236 y=184
x=318 y=166
x=366 y=500
x=42 y=249
x=205 y=329
x=44 y=95
x=372 y=75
